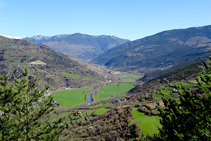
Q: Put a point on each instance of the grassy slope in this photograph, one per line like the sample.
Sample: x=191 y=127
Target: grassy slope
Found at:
x=112 y=89
x=87 y=78
x=70 y=98
x=168 y=91
x=101 y=111
x=187 y=85
x=71 y=75
x=149 y=124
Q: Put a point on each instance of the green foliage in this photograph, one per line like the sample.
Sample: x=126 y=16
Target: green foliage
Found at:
x=191 y=118
x=24 y=110
x=55 y=116
x=69 y=98
x=71 y=75
x=112 y=89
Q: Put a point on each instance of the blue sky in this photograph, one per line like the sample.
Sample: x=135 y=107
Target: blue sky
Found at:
x=129 y=19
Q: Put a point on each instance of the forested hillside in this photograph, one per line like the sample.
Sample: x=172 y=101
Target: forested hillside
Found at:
x=153 y=81
x=160 y=51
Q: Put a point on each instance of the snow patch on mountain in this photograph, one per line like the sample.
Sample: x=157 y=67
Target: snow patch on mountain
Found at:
x=12 y=37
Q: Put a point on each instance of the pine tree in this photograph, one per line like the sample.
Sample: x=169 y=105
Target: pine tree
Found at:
x=24 y=107
x=190 y=119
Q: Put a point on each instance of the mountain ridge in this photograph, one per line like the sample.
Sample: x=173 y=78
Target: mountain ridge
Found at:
x=81 y=46
x=132 y=55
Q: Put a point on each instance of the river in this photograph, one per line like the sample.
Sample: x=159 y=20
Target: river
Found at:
x=89 y=100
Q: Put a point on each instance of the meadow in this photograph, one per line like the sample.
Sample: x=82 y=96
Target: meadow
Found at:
x=128 y=77
x=101 y=111
x=71 y=75
x=111 y=90
x=69 y=98
x=168 y=90
x=87 y=78
x=149 y=124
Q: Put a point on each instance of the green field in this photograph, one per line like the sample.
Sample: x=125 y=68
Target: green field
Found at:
x=167 y=91
x=101 y=111
x=110 y=90
x=87 y=78
x=103 y=105
x=128 y=77
x=186 y=84
x=71 y=75
x=69 y=98
x=149 y=124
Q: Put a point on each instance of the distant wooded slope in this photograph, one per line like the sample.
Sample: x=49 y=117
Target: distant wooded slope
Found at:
x=160 y=51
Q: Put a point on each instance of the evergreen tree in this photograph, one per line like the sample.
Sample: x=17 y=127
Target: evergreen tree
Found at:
x=24 y=108
x=191 y=118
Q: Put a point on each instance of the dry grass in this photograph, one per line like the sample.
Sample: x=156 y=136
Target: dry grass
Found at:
x=153 y=105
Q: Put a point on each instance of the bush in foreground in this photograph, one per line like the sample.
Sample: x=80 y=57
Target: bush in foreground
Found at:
x=190 y=119
x=23 y=109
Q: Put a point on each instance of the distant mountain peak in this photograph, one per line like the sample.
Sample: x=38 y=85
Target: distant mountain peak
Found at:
x=81 y=46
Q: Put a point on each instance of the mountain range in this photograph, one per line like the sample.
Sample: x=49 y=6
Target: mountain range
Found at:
x=80 y=46
x=16 y=54
x=160 y=51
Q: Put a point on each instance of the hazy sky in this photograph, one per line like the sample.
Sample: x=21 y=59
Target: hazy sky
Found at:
x=129 y=19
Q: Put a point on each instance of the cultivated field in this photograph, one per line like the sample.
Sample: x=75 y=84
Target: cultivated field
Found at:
x=111 y=90
x=69 y=98
x=149 y=124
